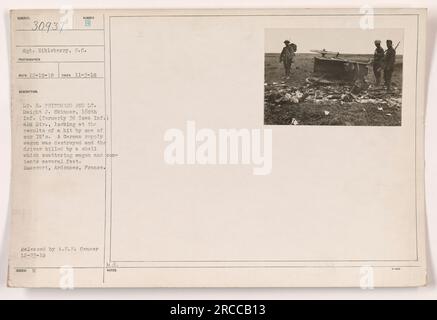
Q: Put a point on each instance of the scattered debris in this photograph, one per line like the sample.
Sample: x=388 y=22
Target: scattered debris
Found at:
x=347 y=97
x=319 y=97
x=321 y=91
x=294 y=122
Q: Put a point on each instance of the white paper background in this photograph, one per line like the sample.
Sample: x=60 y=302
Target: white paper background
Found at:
x=429 y=292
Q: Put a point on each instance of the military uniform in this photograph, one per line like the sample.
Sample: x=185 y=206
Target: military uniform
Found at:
x=378 y=63
x=389 y=63
x=287 y=57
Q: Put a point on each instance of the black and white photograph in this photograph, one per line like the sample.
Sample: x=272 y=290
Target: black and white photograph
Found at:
x=337 y=77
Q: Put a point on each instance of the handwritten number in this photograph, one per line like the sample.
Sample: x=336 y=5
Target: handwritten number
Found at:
x=47 y=26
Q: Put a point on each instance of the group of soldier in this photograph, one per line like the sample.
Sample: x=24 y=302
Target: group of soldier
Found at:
x=383 y=61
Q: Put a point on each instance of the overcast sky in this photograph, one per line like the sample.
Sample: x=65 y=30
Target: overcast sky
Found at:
x=343 y=40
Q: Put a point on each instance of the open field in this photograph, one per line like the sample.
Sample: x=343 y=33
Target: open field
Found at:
x=326 y=103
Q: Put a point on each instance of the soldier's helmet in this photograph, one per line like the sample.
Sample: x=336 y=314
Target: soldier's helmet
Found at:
x=377 y=41
x=389 y=42
x=287 y=42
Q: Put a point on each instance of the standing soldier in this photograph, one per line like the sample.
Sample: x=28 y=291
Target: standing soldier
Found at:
x=286 y=58
x=378 y=61
x=389 y=63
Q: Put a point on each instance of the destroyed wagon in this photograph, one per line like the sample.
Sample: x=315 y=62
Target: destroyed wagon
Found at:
x=339 y=68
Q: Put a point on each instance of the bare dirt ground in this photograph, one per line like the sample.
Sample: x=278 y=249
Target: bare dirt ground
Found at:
x=297 y=101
